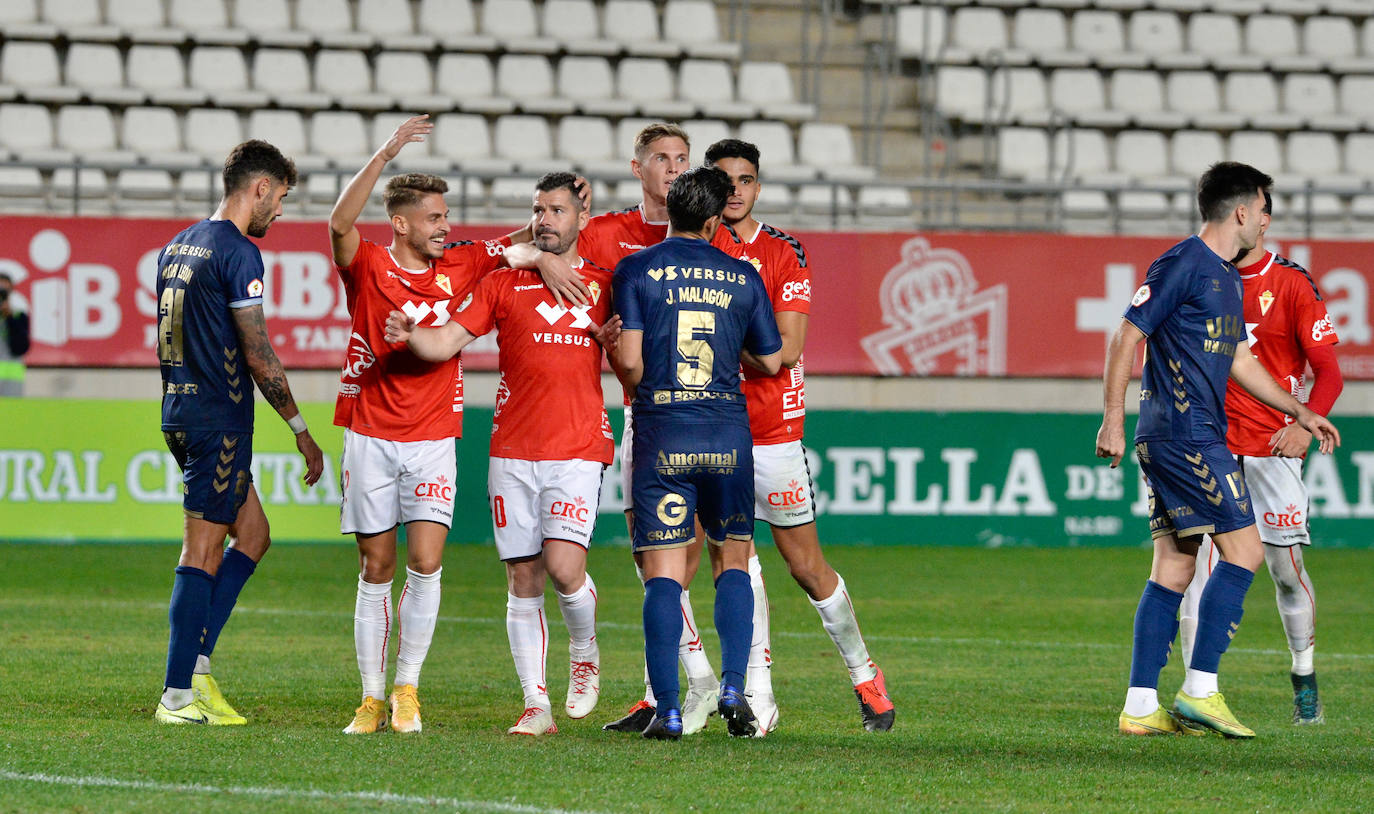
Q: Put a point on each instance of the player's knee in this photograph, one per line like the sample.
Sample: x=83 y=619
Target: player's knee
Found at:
x=378 y=569
x=424 y=563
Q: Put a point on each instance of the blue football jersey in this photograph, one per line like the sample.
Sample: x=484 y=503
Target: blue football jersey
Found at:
x=206 y=271
x=698 y=308
x=1190 y=308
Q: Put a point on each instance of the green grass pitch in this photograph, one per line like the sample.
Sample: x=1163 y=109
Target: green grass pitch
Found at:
x=1008 y=668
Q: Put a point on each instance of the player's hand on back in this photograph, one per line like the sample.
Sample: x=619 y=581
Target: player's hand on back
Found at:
x=314 y=458
x=411 y=130
x=399 y=327
x=1291 y=441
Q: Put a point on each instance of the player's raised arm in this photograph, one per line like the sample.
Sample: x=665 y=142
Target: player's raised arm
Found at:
x=343 y=233
x=1251 y=375
x=430 y=344
x=267 y=371
x=1111 y=437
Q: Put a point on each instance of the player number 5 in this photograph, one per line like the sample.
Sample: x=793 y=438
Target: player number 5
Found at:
x=693 y=343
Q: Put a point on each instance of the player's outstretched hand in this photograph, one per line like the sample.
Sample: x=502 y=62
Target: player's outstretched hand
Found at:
x=411 y=130
x=1325 y=431
x=608 y=335
x=399 y=327
x=314 y=458
x=1111 y=442
x=1291 y=441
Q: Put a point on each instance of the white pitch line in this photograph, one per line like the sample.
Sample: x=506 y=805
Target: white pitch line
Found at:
x=278 y=791
x=777 y=634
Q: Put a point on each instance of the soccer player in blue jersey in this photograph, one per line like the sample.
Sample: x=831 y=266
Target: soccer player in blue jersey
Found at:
x=210 y=332
x=1189 y=310
x=689 y=314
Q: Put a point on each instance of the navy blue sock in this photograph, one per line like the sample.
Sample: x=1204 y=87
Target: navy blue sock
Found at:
x=187 y=611
x=734 y=624
x=234 y=571
x=1156 y=623
x=1218 y=614
x=662 y=630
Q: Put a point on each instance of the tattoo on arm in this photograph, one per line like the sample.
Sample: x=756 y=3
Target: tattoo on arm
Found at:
x=262 y=360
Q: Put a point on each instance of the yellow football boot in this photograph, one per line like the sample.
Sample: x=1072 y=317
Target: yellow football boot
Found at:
x=405 y=708
x=217 y=710
x=1212 y=713
x=1159 y=722
x=369 y=717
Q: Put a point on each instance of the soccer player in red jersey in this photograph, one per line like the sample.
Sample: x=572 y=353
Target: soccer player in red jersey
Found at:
x=401 y=414
x=1289 y=329
x=661 y=155
x=783 y=491
x=547 y=457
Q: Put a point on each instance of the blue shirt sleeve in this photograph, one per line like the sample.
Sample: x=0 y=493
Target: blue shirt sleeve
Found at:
x=761 y=336
x=243 y=273
x=1166 y=286
x=626 y=294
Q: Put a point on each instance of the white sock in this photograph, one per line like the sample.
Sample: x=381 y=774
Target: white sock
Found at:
x=372 y=635
x=177 y=698
x=690 y=650
x=759 y=678
x=837 y=616
x=202 y=665
x=1192 y=597
x=1302 y=662
x=579 y=614
x=417 y=611
x=528 y=630
x=1141 y=701
x=1297 y=601
x=1199 y=684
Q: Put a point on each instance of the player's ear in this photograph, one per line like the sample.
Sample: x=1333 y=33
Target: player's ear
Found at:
x=262 y=190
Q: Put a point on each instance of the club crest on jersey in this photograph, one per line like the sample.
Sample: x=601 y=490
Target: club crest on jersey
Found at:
x=1142 y=296
x=255 y=288
x=753 y=261
x=1266 y=299
x=595 y=288
x=441 y=280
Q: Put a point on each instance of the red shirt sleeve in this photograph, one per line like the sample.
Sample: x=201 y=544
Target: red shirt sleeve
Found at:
x=480 y=314
x=792 y=291
x=1328 y=382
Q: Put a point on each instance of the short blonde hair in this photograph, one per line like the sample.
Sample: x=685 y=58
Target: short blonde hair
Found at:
x=656 y=131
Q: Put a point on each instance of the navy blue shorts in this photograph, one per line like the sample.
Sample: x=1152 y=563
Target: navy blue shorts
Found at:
x=681 y=470
x=214 y=472
x=1195 y=488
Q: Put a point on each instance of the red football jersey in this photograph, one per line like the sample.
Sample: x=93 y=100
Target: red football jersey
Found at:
x=613 y=236
x=777 y=404
x=549 y=404
x=385 y=391
x=1285 y=316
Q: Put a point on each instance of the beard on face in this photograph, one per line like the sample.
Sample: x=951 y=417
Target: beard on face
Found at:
x=262 y=217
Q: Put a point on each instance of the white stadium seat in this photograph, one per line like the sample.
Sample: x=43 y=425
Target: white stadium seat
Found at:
x=1255 y=95
x=1197 y=95
x=525 y=140
x=455 y=24
x=158 y=71
x=589 y=143
x=269 y=23
x=774 y=140
x=1359 y=155
x=961 y=93
x=32 y=68
x=1312 y=96
x=922 y=31
x=703 y=133
x=588 y=82
x=650 y=85
x=976 y=33
x=1275 y=37
x=97 y=70
x=1143 y=155
x=1219 y=37
x=391 y=23
x=284 y=75
x=769 y=86
x=466 y=139
x=79 y=20
x=1357 y=98
x=1082 y=154
x=285 y=129
x=212 y=133
x=710 y=84
x=1141 y=95
x=1258 y=149
x=143 y=21
x=625 y=131
x=1191 y=152
x=1044 y=34
x=416 y=157
x=528 y=80
x=205 y=21
x=514 y=25
x=330 y=23
x=1021 y=93
x=1079 y=92
x=574 y=24
x=220 y=71
x=346 y=76
x=829 y=147
x=470 y=79
x=1160 y=35
x=1023 y=153
x=89 y=132
x=27 y=130
x=406 y=77
x=693 y=24
x=341 y=136
x=154 y=133
x=1316 y=156
x=633 y=24
x=1102 y=34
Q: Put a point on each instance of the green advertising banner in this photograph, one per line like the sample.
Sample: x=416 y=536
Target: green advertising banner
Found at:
x=98 y=470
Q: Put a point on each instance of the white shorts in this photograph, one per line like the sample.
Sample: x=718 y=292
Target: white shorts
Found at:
x=534 y=501
x=783 y=493
x=627 y=445
x=1280 y=498
x=386 y=483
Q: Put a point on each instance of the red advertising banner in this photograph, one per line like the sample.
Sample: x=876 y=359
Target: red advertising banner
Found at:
x=893 y=304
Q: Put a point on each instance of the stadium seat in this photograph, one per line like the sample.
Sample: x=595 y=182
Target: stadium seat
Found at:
x=391 y=23
x=884 y=200
x=829 y=147
x=1079 y=93
x=285 y=129
x=526 y=140
x=1141 y=155
x=330 y=24
x=86 y=183
x=143 y=21
x=1253 y=94
x=1044 y=34
x=1218 y=36
x=1275 y=37
x=922 y=31
x=407 y=78
x=588 y=143
x=633 y=25
x=284 y=75
x=703 y=133
x=1191 y=152
x=693 y=24
x=625 y=131
x=220 y=71
x=1358 y=155
x=587 y=81
x=158 y=71
x=977 y=34
x=1082 y=154
x=1141 y=95
x=1197 y=95
x=88 y=131
x=1102 y=35
x=1312 y=96
x=1332 y=39
x=79 y=20
x=528 y=80
x=32 y=68
x=649 y=84
x=205 y=22
x=710 y=84
x=1160 y=35
x=97 y=70
x=455 y=24
x=340 y=136
x=1357 y=98
x=513 y=24
x=211 y=133
x=774 y=140
x=1020 y=95
x=469 y=79
x=961 y=94
x=154 y=134
x=774 y=199
x=26 y=130
x=1258 y=149
x=769 y=86
x=415 y=157
x=514 y=193
x=1317 y=157
x=574 y=24
x=144 y=190
x=268 y=23
x=346 y=76
x=825 y=199
x=466 y=139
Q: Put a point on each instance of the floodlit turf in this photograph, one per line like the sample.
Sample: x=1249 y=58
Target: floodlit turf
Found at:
x=1007 y=667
